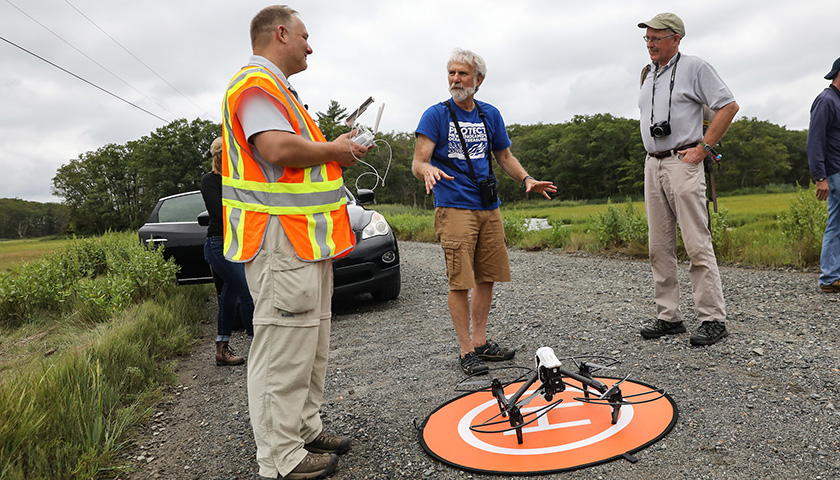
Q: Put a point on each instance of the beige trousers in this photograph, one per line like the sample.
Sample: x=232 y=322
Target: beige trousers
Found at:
x=675 y=194
x=287 y=362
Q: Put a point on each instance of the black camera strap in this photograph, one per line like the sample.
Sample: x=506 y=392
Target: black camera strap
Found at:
x=670 y=92
x=449 y=163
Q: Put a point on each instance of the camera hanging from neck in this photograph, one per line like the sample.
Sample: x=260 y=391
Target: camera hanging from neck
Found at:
x=670 y=92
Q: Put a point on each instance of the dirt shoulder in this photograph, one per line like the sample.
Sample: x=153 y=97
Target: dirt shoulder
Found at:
x=762 y=403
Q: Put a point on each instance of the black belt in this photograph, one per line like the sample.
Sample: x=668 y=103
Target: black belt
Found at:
x=671 y=153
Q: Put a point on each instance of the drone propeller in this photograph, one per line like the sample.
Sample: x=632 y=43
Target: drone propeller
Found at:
x=528 y=399
x=595 y=365
x=483 y=381
x=614 y=389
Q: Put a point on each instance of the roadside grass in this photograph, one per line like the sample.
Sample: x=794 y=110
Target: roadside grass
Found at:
x=748 y=229
x=83 y=364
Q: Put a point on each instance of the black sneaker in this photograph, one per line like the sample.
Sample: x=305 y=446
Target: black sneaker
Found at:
x=471 y=365
x=492 y=352
x=709 y=333
x=658 y=328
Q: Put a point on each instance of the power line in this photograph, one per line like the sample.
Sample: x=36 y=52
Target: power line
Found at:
x=89 y=58
x=135 y=57
x=82 y=79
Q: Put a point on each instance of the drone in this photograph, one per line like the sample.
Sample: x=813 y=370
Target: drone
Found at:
x=553 y=379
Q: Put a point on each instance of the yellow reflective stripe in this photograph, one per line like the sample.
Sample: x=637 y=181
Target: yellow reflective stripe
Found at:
x=281 y=187
x=233 y=220
x=320 y=232
x=313 y=239
x=282 y=210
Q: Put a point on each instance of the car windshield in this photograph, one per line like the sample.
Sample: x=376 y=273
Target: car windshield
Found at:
x=184 y=208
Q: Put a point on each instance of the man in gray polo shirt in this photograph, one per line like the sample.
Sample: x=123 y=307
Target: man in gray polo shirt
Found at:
x=673 y=92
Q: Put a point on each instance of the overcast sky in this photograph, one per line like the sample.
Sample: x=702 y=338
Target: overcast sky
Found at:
x=547 y=61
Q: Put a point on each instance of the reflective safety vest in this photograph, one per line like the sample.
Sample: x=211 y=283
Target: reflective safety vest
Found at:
x=310 y=202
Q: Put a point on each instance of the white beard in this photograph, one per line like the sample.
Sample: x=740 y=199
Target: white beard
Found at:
x=461 y=94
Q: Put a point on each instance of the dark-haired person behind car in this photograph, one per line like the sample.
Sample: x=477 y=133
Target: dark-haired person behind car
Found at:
x=235 y=287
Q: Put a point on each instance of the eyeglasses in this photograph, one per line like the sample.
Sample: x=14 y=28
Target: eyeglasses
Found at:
x=656 y=39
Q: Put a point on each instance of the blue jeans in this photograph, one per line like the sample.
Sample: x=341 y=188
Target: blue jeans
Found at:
x=235 y=288
x=830 y=257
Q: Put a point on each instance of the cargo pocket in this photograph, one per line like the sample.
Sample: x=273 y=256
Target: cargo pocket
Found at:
x=451 y=251
x=294 y=283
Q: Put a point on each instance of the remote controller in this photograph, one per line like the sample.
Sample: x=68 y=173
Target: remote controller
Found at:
x=364 y=139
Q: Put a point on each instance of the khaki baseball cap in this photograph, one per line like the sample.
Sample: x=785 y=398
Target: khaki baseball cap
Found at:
x=665 y=21
x=216 y=146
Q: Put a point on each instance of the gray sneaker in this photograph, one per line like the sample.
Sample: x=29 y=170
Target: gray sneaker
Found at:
x=709 y=333
x=657 y=328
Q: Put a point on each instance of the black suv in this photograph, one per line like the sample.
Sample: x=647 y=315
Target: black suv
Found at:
x=179 y=224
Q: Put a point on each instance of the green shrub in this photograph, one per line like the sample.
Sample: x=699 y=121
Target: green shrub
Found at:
x=618 y=228
x=414 y=226
x=804 y=226
x=721 y=238
x=515 y=225
x=557 y=236
x=90 y=278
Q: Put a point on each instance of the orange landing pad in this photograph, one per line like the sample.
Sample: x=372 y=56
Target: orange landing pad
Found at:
x=572 y=435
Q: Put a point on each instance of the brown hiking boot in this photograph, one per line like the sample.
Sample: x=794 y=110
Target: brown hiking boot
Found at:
x=325 y=443
x=225 y=356
x=314 y=465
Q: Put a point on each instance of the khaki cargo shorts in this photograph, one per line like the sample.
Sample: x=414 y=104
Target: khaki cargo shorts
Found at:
x=473 y=243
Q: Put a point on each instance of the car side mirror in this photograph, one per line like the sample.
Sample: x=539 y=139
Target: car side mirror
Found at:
x=203 y=218
x=364 y=195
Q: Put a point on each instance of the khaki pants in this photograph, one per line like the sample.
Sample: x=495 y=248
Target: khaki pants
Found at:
x=675 y=193
x=287 y=362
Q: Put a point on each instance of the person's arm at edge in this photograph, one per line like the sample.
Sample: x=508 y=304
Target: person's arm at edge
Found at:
x=510 y=164
x=816 y=150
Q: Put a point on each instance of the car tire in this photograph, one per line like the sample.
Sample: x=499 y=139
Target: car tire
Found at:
x=390 y=292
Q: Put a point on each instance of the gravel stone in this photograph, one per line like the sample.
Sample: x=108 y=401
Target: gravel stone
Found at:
x=759 y=404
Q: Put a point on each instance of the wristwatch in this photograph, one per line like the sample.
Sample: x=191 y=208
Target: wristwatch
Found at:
x=706 y=146
x=820 y=179
x=526 y=178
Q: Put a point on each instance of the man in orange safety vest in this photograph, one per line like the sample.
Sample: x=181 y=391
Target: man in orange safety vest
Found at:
x=285 y=217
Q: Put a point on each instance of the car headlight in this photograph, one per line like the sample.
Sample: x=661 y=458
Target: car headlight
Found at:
x=376 y=226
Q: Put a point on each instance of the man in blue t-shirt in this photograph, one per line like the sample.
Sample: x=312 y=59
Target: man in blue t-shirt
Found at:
x=452 y=157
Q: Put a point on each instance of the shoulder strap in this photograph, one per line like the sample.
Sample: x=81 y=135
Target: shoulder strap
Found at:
x=489 y=142
x=645 y=72
x=463 y=142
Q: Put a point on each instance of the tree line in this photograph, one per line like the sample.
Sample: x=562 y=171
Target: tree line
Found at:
x=589 y=157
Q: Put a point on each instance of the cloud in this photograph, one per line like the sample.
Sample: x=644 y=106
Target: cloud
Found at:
x=547 y=61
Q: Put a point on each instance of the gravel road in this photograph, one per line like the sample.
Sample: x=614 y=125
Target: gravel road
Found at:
x=761 y=404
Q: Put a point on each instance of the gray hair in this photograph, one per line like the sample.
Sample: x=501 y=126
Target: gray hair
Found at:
x=466 y=56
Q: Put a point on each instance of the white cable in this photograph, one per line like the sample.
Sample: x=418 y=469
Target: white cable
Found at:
x=373 y=171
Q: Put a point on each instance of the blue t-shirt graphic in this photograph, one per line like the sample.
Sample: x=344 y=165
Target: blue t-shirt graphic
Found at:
x=437 y=124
